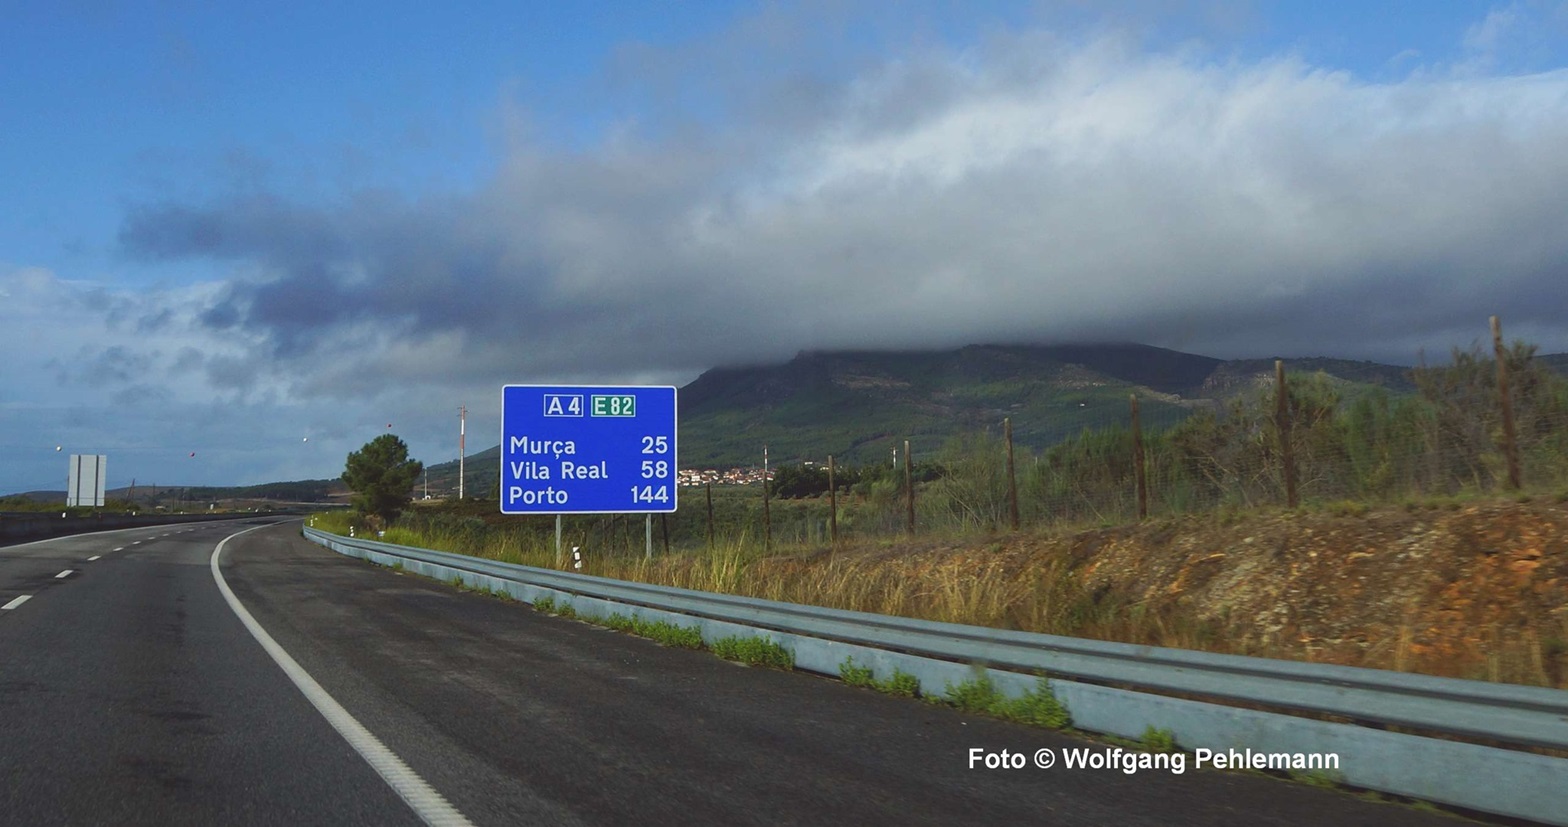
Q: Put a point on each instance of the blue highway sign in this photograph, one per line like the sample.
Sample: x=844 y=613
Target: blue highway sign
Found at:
x=587 y=449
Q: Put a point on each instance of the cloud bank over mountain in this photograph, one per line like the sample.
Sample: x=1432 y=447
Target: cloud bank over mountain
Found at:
x=1036 y=190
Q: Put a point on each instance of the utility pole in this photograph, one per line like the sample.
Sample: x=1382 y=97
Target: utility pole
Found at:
x=462 y=436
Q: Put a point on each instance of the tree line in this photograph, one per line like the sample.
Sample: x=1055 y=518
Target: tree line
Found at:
x=1346 y=442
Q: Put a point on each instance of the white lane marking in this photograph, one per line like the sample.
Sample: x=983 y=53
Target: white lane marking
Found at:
x=136 y=542
x=428 y=804
x=17 y=602
x=68 y=537
x=66 y=573
x=121 y=548
x=94 y=557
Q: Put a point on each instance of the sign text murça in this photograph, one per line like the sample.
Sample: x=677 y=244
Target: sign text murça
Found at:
x=587 y=449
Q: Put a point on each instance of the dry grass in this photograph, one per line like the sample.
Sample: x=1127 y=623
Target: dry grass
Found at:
x=959 y=583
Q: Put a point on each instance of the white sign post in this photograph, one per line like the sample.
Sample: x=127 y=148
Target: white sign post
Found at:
x=84 y=484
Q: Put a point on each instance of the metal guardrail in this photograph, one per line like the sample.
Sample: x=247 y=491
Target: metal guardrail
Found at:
x=1122 y=688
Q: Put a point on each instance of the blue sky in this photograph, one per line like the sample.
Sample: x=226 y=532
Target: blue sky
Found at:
x=225 y=229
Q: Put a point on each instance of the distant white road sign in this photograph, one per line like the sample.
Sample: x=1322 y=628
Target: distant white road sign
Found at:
x=84 y=485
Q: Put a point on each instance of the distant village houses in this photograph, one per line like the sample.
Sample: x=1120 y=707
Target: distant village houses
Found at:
x=714 y=476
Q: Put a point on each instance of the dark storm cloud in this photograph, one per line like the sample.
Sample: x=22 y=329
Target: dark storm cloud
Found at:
x=1037 y=191
x=243 y=228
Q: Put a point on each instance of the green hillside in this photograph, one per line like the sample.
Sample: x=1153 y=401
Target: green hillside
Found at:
x=859 y=405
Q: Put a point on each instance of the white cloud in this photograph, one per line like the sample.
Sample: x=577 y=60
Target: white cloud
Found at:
x=1486 y=36
x=1522 y=34
x=1041 y=189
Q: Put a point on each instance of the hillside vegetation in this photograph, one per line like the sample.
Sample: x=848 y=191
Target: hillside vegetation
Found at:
x=1475 y=589
x=861 y=405
x=1410 y=549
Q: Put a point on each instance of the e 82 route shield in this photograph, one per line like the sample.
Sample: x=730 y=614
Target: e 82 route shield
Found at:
x=587 y=449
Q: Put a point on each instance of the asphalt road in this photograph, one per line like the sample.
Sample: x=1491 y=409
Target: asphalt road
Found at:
x=131 y=693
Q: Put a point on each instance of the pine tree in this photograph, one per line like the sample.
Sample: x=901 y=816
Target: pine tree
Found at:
x=382 y=477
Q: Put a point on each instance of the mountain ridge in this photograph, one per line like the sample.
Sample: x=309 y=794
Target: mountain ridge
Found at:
x=859 y=405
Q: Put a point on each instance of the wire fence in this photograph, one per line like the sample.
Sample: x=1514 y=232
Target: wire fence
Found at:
x=1464 y=428
x=1467 y=428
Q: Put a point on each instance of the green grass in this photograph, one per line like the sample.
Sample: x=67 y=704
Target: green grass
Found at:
x=754 y=651
x=1326 y=779
x=855 y=675
x=901 y=683
x=669 y=634
x=334 y=522
x=1037 y=707
x=1158 y=740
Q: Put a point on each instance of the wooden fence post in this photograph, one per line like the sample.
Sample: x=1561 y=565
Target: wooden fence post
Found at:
x=909 y=486
x=1137 y=460
x=1282 y=423
x=832 y=504
x=1012 y=476
x=1510 y=446
x=709 y=487
x=767 y=514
